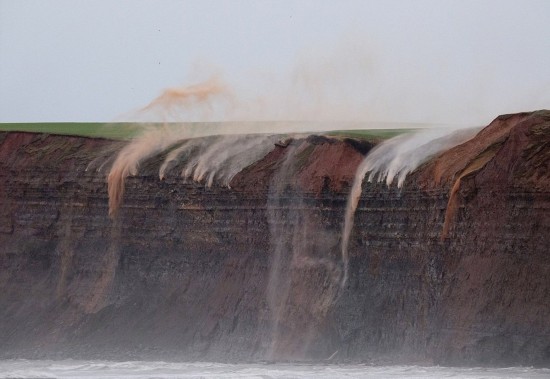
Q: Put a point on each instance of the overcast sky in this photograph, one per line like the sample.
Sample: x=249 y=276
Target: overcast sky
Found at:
x=411 y=61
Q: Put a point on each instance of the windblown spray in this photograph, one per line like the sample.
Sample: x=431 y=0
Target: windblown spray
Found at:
x=392 y=161
x=157 y=138
x=300 y=245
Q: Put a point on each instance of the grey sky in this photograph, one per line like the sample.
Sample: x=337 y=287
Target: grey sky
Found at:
x=414 y=61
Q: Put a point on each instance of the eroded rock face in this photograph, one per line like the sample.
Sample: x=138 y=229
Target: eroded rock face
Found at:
x=496 y=263
x=453 y=268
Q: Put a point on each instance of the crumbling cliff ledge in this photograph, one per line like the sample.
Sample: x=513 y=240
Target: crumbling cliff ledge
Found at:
x=452 y=269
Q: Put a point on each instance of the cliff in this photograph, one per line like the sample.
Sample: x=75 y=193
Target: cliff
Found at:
x=451 y=269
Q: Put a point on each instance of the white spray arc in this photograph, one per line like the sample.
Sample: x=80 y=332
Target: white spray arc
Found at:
x=128 y=160
x=226 y=156
x=207 y=159
x=223 y=151
x=392 y=161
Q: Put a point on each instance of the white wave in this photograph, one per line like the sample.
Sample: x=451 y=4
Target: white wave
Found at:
x=170 y=370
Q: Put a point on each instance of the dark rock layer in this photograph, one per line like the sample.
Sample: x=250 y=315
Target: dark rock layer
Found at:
x=452 y=269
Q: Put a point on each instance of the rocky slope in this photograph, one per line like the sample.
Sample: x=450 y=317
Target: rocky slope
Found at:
x=453 y=269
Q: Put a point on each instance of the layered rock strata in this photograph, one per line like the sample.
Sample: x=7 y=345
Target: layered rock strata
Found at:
x=452 y=269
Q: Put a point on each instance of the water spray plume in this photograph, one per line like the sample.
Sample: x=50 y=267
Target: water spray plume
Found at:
x=157 y=138
x=205 y=159
x=218 y=157
x=194 y=98
x=128 y=160
x=294 y=254
x=395 y=159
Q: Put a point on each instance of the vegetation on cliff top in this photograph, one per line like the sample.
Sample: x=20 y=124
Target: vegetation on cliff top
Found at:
x=84 y=129
x=128 y=130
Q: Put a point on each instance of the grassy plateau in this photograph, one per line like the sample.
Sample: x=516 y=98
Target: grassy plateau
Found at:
x=129 y=130
x=84 y=129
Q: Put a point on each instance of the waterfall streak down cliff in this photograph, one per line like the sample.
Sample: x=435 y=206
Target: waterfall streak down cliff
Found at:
x=255 y=270
x=394 y=159
x=207 y=159
x=293 y=255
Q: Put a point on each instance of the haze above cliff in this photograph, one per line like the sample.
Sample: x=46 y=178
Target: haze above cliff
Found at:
x=430 y=62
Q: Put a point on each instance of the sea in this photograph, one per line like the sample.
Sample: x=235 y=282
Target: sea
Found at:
x=34 y=369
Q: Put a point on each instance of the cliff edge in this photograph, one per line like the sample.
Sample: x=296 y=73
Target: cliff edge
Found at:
x=452 y=268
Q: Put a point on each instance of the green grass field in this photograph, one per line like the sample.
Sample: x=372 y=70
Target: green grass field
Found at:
x=370 y=133
x=86 y=129
x=128 y=130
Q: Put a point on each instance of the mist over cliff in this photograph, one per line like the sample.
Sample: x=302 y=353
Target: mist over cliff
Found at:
x=429 y=248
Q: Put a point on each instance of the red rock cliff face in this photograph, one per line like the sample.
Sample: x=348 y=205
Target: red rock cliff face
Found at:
x=454 y=268
x=497 y=262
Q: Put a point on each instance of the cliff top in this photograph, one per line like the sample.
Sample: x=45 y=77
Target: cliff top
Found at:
x=512 y=150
